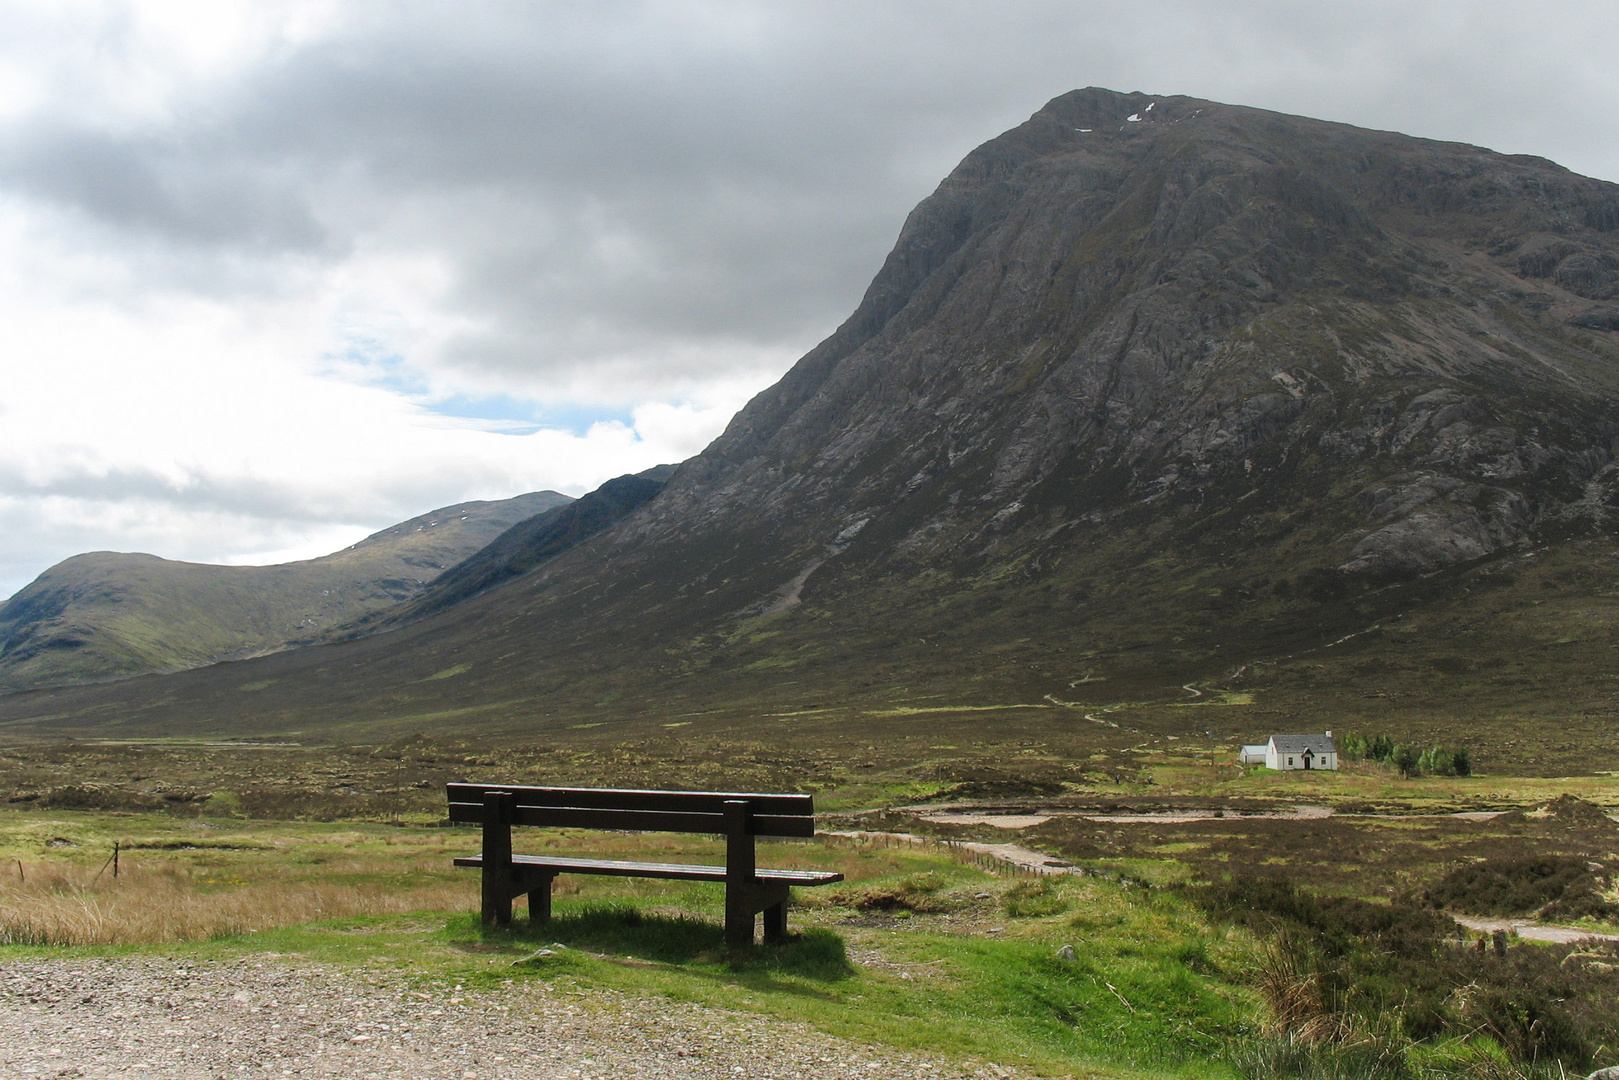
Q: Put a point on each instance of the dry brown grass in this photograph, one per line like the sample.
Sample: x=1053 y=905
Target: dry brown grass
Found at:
x=146 y=906
x=1289 y=977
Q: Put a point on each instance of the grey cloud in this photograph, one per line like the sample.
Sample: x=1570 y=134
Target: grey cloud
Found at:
x=135 y=185
x=615 y=179
x=197 y=492
x=200 y=491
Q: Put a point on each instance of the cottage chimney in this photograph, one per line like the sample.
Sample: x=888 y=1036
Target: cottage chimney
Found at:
x=1329 y=733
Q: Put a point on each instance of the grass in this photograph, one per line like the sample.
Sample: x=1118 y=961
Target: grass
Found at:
x=916 y=949
x=974 y=974
x=187 y=882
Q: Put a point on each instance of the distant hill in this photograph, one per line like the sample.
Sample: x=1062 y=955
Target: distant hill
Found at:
x=1157 y=403
x=523 y=547
x=110 y=615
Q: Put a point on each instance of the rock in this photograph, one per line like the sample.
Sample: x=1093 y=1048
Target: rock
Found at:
x=1065 y=953
x=1609 y=1073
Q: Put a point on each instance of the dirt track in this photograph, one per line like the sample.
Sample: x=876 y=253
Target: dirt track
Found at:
x=273 y=1016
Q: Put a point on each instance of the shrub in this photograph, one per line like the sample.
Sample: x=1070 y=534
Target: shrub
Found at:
x=1528 y=1025
x=1335 y=968
x=1553 y=886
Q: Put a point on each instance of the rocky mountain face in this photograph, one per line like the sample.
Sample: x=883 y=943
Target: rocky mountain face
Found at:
x=1150 y=390
x=109 y=615
x=1134 y=301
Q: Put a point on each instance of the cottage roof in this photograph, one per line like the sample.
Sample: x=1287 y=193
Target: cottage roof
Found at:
x=1298 y=744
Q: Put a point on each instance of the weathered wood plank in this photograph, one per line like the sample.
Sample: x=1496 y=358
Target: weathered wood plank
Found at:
x=636 y=799
x=578 y=817
x=672 y=871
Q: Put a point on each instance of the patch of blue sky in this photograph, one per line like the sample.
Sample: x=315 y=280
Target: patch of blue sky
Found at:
x=370 y=362
x=523 y=416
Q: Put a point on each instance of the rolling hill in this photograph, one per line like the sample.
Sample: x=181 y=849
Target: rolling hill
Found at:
x=109 y=615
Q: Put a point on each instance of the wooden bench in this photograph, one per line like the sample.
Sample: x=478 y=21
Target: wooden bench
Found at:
x=739 y=817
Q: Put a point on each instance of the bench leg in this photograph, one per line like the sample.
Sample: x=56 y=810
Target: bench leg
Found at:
x=539 y=899
x=497 y=900
x=776 y=922
x=498 y=878
x=738 y=923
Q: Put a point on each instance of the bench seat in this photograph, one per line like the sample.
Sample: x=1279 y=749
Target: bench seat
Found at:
x=673 y=871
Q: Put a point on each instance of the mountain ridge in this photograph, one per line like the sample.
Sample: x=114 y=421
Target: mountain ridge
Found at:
x=526 y=545
x=1132 y=404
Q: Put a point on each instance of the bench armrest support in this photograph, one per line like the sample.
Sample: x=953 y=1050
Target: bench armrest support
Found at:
x=741 y=875
x=498 y=884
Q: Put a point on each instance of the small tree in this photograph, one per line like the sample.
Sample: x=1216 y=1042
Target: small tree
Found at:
x=1407 y=761
x=1437 y=761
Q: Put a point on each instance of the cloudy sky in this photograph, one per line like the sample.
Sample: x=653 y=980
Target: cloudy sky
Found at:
x=274 y=275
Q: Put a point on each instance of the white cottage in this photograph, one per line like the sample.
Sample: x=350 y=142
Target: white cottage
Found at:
x=1285 y=752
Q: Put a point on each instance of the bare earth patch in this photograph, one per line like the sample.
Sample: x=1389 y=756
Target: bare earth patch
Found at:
x=167 y=1018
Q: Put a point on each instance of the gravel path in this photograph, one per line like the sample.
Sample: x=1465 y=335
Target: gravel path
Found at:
x=270 y=1016
x=1533 y=931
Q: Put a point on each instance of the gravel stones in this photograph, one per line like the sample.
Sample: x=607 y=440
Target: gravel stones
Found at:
x=272 y=1016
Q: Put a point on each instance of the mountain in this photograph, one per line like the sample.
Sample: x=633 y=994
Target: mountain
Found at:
x=1156 y=402
x=110 y=615
x=522 y=547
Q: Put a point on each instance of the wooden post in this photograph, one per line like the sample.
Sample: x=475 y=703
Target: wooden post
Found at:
x=115 y=860
x=775 y=923
x=539 y=899
x=497 y=857
x=739 y=875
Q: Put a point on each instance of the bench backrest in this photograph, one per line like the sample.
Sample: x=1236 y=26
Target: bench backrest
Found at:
x=647 y=811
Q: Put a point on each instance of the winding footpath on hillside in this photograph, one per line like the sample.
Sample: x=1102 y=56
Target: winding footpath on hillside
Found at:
x=274 y=1015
